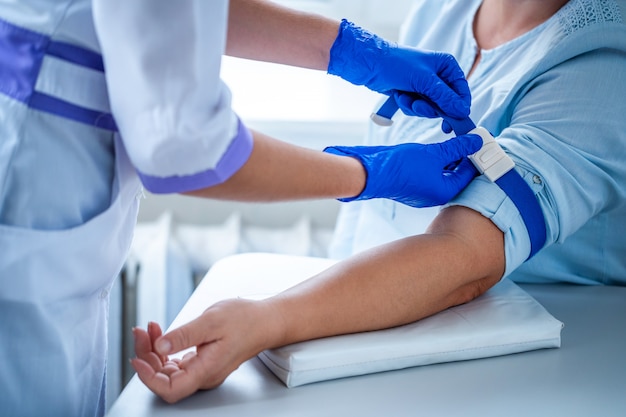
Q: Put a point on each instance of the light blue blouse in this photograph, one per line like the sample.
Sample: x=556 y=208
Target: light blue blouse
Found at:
x=554 y=100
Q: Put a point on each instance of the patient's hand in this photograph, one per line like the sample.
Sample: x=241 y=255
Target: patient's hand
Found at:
x=225 y=335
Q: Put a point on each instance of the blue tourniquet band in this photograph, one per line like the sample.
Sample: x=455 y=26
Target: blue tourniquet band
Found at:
x=459 y=125
x=388 y=108
x=518 y=191
x=524 y=199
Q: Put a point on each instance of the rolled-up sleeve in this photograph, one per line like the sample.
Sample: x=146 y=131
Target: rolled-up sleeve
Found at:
x=566 y=133
x=162 y=61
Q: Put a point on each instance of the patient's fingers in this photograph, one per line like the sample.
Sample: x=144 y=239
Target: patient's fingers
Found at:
x=154 y=330
x=170 y=367
x=142 y=341
x=143 y=349
x=171 y=388
x=143 y=346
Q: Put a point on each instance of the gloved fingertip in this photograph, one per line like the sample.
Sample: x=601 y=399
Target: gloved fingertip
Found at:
x=461 y=146
x=423 y=108
x=403 y=101
x=462 y=108
x=454 y=109
x=445 y=127
x=475 y=143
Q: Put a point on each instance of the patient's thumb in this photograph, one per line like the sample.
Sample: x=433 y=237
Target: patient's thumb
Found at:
x=179 y=339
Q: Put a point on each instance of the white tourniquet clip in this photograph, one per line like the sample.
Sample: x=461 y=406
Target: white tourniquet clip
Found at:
x=490 y=160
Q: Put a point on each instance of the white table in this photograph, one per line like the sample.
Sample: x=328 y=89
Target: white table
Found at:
x=585 y=377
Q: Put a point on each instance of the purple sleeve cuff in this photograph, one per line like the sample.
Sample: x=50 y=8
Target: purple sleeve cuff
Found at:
x=233 y=159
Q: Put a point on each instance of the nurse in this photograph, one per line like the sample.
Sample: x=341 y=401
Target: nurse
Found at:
x=78 y=143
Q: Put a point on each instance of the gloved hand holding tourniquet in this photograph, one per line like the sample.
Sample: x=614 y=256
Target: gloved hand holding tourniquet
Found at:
x=416 y=78
x=415 y=174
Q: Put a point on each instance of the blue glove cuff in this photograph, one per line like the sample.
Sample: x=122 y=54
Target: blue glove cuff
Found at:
x=355 y=52
x=346 y=151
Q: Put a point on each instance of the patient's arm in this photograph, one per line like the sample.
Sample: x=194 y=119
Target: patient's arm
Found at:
x=459 y=258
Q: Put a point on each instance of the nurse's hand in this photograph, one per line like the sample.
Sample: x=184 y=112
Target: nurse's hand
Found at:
x=415 y=174
x=363 y=58
x=224 y=336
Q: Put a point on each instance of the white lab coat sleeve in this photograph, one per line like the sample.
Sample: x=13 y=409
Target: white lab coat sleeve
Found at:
x=162 y=62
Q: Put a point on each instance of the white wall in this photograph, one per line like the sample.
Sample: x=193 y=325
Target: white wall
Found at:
x=379 y=16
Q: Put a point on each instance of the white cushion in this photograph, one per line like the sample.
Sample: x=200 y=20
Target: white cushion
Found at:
x=505 y=320
x=502 y=321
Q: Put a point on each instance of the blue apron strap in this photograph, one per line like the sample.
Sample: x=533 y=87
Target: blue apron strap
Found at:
x=21 y=55
x=76 y=55
x=67 y=110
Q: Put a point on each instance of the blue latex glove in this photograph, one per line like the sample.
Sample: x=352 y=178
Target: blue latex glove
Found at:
x=410 y=74
x=413 y=173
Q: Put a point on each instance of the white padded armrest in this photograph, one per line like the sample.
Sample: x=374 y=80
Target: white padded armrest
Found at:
x=502 y=321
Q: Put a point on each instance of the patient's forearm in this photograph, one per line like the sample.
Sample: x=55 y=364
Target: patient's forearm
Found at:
x=265 y=31
x=460 y=258
x=279 y=171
